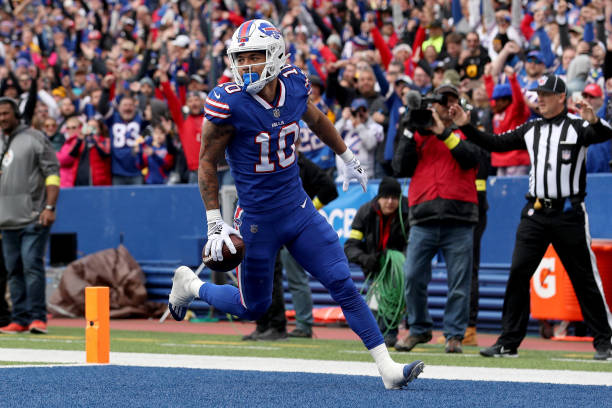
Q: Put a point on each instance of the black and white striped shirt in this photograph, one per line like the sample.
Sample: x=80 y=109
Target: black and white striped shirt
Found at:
x=557 y=149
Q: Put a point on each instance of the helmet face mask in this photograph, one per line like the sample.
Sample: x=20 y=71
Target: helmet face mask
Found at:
x=257 y=36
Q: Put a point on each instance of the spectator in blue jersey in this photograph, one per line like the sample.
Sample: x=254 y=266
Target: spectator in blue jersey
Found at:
x=125 y=125
x=152 y=154
x=421 y=81
x=316 y=151
x=528 y=78
x=253 y=121
x=540 y=37
x=310 y=145
x=393 y=86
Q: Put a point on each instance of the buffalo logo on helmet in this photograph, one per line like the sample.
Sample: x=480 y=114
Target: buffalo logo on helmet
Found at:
x=244 y=32
x=269 y=29
x=264 y=27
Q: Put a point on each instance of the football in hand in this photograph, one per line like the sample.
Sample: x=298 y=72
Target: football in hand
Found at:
x=230 y=261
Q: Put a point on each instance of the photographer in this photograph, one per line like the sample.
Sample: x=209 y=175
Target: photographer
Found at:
x=85 y=156
x=360 y=133
x=443 y=209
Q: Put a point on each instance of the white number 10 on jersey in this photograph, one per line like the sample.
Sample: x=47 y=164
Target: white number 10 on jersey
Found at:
x=266 y=165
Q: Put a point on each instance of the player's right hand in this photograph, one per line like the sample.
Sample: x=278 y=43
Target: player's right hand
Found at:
x=219 y=233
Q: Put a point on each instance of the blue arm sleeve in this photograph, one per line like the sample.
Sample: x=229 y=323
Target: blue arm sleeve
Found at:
x=546 y=47
x=589 y=32
x=90 y=111
x=363 y=7
x=382 y=81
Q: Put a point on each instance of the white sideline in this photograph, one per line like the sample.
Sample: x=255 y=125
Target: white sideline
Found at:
x=308 y=366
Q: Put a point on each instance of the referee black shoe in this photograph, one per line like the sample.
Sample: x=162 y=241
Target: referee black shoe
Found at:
x=497 y=350
x=604 y=354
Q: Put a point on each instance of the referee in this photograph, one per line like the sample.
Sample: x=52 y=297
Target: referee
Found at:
x=554 y=213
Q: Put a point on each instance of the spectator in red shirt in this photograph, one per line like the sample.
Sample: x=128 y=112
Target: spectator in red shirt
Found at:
x=85 y=156
x=509 y=111
x=189 y=126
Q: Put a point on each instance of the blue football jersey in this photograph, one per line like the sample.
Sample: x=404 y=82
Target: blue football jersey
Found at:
x=261 y=155
x=124 y=136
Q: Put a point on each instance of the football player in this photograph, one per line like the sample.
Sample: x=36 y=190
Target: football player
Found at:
x=255 y=121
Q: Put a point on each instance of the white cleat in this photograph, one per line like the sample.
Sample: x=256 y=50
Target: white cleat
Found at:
x=181 y=294
x=409 y=372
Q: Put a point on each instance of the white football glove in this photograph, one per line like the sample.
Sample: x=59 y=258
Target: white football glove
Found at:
x=218 y=233
x=353 y=171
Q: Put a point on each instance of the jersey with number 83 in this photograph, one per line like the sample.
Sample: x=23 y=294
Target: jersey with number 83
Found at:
x=262 y=154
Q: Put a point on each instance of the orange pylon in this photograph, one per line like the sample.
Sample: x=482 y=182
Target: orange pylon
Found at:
x=97 y=332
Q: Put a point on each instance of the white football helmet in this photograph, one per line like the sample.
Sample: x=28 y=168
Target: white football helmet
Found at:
x=257 y=35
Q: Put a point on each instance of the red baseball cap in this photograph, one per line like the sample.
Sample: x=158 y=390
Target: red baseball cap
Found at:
x=94 y=35
x=592 y=90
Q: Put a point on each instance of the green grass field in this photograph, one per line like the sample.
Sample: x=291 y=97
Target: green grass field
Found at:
x=61 y=338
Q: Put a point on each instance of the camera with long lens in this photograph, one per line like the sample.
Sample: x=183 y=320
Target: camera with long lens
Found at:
x=418 y=116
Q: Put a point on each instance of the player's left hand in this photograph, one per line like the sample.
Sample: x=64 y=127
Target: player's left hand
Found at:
x=354 y=171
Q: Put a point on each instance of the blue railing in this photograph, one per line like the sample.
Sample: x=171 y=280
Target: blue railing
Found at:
x=492 y=284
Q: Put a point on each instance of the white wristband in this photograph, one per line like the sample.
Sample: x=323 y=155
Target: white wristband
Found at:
x=212 y=216
x=347 y=156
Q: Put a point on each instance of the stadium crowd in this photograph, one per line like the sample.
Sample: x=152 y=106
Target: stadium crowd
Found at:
x=134 y=75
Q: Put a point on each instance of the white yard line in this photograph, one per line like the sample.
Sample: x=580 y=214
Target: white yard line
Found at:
x=308 y=366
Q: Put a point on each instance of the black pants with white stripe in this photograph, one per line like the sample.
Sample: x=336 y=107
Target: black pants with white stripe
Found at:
x=568 y=231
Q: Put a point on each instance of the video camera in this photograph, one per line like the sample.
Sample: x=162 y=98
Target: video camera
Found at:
x=419 y=115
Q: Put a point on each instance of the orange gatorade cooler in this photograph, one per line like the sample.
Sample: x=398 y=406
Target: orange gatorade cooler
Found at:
x=552 y=293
